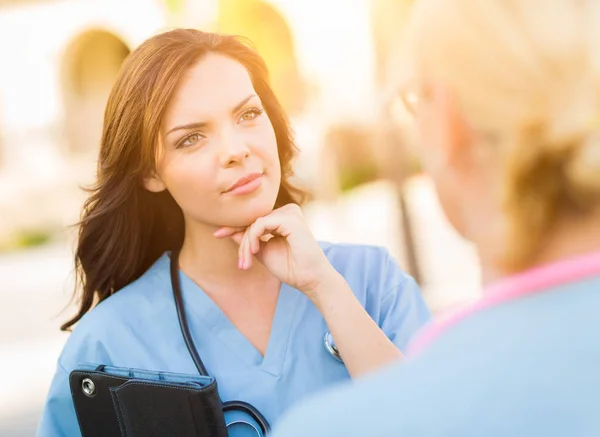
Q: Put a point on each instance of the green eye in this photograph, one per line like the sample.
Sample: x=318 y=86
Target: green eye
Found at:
x=190 y=140
x=251 y=114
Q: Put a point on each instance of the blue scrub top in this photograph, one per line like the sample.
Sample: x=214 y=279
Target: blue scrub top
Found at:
x=137 y=328
x=527 y=367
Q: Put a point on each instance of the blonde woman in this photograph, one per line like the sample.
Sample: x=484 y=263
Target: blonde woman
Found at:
x=506 y=95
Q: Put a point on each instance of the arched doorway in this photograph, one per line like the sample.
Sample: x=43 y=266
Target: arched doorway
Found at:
x=271 y=35
x=90 y=67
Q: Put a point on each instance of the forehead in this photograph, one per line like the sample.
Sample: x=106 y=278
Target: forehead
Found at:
x=210 y=88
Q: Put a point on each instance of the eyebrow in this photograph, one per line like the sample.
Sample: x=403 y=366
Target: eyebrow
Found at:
x=199 y=125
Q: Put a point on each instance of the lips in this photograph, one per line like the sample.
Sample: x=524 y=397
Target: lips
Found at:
x=241 y=182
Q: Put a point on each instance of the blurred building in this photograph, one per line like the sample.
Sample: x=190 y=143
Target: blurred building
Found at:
x=59 y=60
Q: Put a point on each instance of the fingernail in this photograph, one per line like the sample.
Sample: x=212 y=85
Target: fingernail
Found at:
x=240 y=264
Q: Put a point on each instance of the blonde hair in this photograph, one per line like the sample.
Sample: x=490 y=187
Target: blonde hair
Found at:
x=526 y=72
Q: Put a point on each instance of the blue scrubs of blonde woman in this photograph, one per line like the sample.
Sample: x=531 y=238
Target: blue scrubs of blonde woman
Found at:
x=196 y=154
x=506 y=96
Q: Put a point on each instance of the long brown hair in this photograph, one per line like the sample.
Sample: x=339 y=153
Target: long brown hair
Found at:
x=124 y=228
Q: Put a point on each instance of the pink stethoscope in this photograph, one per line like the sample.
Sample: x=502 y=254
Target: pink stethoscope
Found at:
x=530 y=282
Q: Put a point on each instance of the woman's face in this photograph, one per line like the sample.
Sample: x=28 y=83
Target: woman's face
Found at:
x=218 y=153
x=451 y=153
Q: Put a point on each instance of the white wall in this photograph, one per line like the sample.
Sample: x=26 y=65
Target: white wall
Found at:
x=333 y=44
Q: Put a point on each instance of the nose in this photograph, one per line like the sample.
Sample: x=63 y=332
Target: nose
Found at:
x=233 y=149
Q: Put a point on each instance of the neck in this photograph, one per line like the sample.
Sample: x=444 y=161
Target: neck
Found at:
x=569 y=237
x=211 y=260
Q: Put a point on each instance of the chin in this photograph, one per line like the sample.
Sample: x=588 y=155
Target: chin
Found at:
x=450 y=209
x=247 y=212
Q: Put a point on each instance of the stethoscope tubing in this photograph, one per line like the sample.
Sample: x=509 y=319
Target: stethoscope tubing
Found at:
x=189 y=342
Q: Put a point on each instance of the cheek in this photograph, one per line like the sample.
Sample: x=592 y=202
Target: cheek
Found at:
x=265 y=147
x=450 y=205
x=436 y=139
x=432 y=151
x=429 y=146
x=189 y=178
x=275 y=165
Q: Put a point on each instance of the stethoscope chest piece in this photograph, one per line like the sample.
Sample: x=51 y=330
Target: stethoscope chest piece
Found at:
x=331 y=348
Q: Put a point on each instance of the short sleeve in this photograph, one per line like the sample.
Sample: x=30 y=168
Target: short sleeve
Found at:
x=59 y=418
x=403 y=311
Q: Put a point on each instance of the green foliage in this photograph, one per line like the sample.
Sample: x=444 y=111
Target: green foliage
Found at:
x=353 y=176
x=26 y=238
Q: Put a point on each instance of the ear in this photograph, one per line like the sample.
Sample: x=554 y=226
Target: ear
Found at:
x=154 y=183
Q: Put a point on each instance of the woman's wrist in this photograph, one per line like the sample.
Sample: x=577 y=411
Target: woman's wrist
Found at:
x=330 y=288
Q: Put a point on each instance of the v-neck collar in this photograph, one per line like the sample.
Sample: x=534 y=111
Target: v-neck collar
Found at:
x=202 y=309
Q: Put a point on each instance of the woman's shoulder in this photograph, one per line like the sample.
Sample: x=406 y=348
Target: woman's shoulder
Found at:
x=367 y=258
x=127 y=310
x=369 y=266
x=147 y=290
x=347 y=252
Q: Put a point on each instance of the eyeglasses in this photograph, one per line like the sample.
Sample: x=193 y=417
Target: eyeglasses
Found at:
x=412 y=95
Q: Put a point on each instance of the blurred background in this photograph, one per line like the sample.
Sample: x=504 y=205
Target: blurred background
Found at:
x=329 y=62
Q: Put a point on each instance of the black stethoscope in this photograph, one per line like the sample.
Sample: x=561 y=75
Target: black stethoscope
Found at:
x=239 y=406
